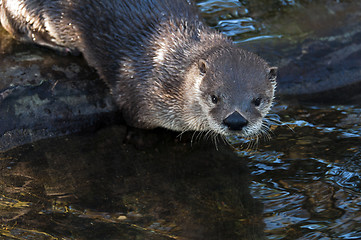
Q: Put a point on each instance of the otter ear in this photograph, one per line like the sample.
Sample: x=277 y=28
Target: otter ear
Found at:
x=272 y=74
x=203 y=66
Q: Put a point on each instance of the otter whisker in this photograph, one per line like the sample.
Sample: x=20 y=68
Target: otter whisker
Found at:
x=225 y=140
x=200 y=134
x=249 y=144
x=181 y=134
x=255 y=142
x=265 y=131
x=214 y=137
x=208 y=134
x=279 y=122
x=192 y=138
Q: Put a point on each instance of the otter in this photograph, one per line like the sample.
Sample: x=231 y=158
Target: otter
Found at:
x=164 y=66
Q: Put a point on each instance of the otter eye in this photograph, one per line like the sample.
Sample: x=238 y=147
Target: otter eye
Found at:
x=257 y=102
x=214 y=99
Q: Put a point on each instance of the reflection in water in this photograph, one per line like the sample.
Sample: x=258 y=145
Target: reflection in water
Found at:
x=117 y=184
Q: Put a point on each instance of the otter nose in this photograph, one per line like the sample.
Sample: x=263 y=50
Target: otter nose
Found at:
x=235 y=121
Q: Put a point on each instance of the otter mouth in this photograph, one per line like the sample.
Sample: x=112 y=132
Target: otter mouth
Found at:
x=243 y=133
x=240 y=133
x=247 y=130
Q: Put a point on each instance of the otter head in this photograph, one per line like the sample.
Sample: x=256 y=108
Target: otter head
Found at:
x=234 y=91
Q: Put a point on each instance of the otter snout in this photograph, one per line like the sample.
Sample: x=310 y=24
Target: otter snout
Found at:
x=235 y=121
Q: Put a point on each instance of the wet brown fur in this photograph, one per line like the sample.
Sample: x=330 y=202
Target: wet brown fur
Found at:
x=161 y=62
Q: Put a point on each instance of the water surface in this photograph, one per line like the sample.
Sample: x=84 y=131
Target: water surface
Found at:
x=308 y=175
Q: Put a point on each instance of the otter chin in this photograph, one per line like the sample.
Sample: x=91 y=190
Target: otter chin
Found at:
x=164 y=66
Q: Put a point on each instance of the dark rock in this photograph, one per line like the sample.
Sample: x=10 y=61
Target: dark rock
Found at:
x=318 y=52
x=43 y=94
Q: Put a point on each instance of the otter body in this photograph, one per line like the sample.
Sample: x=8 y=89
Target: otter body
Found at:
x=163 y=65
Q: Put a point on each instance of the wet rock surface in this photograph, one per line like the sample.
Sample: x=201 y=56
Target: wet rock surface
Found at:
x=43 y=94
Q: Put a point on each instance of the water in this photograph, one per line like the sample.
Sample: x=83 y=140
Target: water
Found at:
x=304 y=183
x=120 y=183
x=308 y=176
